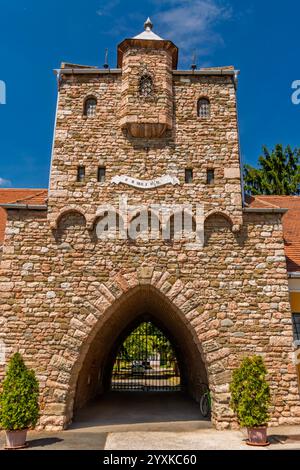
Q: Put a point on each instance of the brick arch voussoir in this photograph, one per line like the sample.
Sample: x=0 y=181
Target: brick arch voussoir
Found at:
x=81 y=330
x=107 y=294
x=99 y=305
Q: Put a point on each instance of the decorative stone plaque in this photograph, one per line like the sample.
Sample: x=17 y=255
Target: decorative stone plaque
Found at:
x=146 y=184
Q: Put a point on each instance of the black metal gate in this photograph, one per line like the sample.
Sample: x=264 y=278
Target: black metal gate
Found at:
x=146 y=361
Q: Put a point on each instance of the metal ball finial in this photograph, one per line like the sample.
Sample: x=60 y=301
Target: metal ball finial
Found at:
x=148 y=25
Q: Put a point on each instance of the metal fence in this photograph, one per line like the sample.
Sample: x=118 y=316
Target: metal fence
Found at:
x=146 y=361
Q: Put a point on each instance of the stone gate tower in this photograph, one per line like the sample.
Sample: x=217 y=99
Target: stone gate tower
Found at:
x=153 y=136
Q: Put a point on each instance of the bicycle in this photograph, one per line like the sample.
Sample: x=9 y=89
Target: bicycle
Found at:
x=205 y=402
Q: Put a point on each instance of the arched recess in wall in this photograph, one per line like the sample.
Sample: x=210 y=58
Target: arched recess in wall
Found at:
x=220 y=225
x=220 y=213
x=70 y=225
x=65 y=212
x=91 y=373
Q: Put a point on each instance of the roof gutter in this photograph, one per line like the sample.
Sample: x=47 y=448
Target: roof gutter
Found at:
x=294 y=275
x=32 y=207
x=259 y=210
x=88 y=71
x=233 y=73
x=95 y=71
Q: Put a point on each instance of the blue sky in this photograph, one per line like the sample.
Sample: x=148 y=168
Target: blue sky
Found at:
x=259 y=37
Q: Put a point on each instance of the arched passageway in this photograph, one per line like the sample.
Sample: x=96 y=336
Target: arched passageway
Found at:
x=144 y=345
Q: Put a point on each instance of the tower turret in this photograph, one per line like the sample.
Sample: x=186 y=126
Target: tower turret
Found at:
x=147 y=62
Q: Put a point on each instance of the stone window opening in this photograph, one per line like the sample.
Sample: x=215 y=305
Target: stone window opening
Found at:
x=80 y=174
x=296 y=326
x=210 y=176
x=101 y=174
x=203 y=108
x=146 y=86
x=189 y=175
x=90 y=106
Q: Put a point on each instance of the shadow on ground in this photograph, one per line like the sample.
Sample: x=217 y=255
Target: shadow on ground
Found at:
x=284 y=439
x=66 y=441
x=44 y=442
x=129 y=411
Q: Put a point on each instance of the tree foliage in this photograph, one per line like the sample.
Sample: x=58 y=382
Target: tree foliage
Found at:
x=19 y=407
x=250 y=393
x=278 y=173
x=146 y=341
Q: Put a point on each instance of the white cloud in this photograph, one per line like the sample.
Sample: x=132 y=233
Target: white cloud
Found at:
x=5 y=183
x=191 y=23
x=107 y=7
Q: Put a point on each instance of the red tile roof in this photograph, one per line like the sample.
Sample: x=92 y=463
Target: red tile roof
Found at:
x=19 y=196
x=291 y=224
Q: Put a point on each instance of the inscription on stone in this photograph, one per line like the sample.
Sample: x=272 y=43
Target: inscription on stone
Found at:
x=146 y=184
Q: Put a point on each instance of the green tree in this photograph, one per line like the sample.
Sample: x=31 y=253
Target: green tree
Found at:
x=19 y=407
x=145 y=341
x=250 y=393
x=278 y=173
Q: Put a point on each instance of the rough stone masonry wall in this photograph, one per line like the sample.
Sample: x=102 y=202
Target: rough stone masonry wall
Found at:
x=59 y=287
x=159 y=106
x=99 y=141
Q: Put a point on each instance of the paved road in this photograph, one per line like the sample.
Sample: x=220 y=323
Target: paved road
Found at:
x=167 y=421
x=205 y=439
x=63 y=441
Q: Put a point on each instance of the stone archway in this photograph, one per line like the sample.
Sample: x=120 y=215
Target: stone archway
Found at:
x=100 y=316
x=94 y=376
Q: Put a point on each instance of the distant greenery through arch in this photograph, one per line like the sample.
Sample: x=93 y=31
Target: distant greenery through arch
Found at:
x=146 y=361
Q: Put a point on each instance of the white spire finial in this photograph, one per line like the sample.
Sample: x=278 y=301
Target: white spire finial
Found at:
x=148 y=34
x=148 y=25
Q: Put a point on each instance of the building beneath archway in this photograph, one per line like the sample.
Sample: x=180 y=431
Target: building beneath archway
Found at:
x=81 y=266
